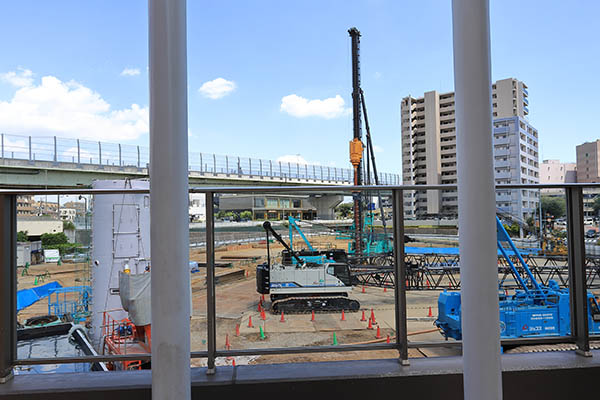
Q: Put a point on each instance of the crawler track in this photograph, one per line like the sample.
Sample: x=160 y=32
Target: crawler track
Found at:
x=301 y=305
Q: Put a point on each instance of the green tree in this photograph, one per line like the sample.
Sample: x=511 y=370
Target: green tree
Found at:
x=555 y=206
x=22 y=236
x=246 y=215
x=50 y=239
x=68 y=226
x=596 y=205
x=344 y=210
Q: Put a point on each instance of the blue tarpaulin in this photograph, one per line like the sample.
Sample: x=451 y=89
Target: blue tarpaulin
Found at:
x=27 y=297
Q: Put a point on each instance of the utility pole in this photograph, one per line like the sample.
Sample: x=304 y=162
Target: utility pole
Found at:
x=356 y=146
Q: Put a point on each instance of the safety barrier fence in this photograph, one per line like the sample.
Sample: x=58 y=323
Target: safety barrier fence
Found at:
x=576 y=271
x=78 y=152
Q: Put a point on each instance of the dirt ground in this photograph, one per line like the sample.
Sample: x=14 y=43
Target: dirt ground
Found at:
x=237 y=303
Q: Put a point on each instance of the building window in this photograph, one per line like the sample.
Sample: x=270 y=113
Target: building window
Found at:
x=272 y=203
x=297 y=203
x=259 y=202
x=284 y=203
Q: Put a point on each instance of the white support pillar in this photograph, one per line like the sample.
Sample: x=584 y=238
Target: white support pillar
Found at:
x=476 y=201
x=169 y=200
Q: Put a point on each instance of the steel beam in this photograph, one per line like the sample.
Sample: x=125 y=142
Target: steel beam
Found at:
x=577 y=271
x=476 y=201
x=169 y=200
x=8 y=286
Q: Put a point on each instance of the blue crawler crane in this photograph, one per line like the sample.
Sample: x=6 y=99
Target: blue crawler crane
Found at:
x=534 y=310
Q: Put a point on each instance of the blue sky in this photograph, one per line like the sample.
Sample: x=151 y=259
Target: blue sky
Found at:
x=267 y=51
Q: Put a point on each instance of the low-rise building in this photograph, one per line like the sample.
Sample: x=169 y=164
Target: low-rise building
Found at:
x=278 y=207
x=554 y=171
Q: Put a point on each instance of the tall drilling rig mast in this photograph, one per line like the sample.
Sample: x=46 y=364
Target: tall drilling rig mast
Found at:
x=356 y=145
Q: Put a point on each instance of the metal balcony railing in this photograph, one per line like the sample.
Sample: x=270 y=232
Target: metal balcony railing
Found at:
x=576 y=282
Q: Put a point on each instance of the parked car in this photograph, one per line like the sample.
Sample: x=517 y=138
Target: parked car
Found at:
x=591 y=233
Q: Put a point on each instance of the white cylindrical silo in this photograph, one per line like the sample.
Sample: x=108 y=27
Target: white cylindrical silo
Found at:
x=120 y=238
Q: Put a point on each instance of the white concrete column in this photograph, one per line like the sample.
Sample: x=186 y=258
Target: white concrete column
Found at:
x=169 y=200
x=476 y=201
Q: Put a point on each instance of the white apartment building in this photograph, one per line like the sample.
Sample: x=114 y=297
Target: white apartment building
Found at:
x=429 y=150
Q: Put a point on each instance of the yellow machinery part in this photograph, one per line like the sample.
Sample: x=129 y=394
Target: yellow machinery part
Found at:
x=356 y=150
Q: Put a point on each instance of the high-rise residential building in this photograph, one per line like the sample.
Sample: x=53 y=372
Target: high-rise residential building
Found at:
x=429 y=150
x=588 y=156
x=554 y=171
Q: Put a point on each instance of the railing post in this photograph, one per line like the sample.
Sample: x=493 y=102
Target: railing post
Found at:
x=297 y=171
x=290 y=170
x=399 y=275
x=214 y=164
x=270 y=168
x=334 y=173
x=328 y=173
x=201 y=164
x=100 y=154
x=78 y=153
x=55 y=152
x=30 y=159
x=239 y=167
x=227 y=165
x=321 y=172
x=210 y=284
x=260 y=166
x=250 y=166
x=577 y=271
x=280 y=172
x=306 y=171
x=314 y=172
x=3 y=145
x=120 y=159
x=138 y=156
x=8 y=286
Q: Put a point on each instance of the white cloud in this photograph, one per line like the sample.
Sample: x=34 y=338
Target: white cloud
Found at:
x=300 y=107
x=377 y=149
x=130 y=72
x=68 y=109
x=20 y=78
x=295 y=159
x=217 y=88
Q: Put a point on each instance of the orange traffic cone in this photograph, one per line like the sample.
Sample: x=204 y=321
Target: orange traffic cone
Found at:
x=430 y=314
x=370 y=324
x=282 y=318
x=227 y=344
x=388 y=339
x=250 y=322
x=363 y=316
x=427 y=283
x=384 y=289
x=237 y=330
x=363 y=289
x=259 y=308
x=378 y=336
x=262 y=298
x=263 y=316
x=373 y=316
x=312 y=318
x=233 y=362
x=343 y=316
